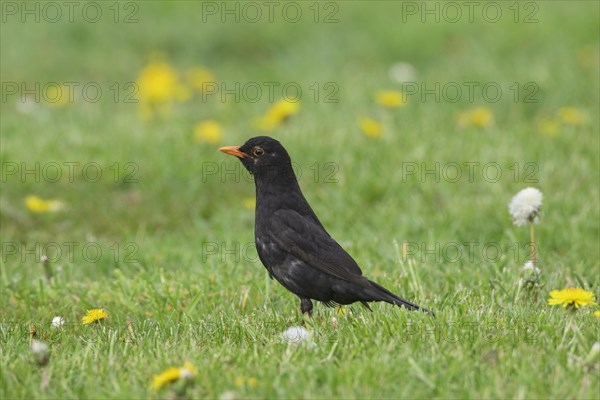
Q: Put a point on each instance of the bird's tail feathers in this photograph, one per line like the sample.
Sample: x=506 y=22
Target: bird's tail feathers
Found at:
x=393 y=299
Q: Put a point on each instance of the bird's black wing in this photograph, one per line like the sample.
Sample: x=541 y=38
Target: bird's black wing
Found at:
x=308 y=241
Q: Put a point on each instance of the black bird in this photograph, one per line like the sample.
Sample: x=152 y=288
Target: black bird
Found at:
x=291 y=241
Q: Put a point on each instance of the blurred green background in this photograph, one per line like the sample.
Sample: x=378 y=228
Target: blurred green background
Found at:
x=166 y=196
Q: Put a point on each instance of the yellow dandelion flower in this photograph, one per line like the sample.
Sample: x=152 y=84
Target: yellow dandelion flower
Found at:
x=342 y=310
x=158 y=82
x=38 y=205
x=188 y=371
x=597 y=313
x=208 y=131
x=170 y=375
x=250 y=203
x=369 y=127
x=57 y=95
x=239 y=382
x=158 y=87
x=548 y=127
x=250 y=382
x=390 y=98
x=479 y=117
x=276 y=115
x=572 y=116
x=94 y=315
x=574 y=297
x=198 y=77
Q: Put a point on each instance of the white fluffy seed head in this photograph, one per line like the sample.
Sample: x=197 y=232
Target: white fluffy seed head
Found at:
x=38 y=347
x=402 y=72
x=530 y=266
x=295 y=335
x=525 y=206
x=40 y=352
x=58 y=322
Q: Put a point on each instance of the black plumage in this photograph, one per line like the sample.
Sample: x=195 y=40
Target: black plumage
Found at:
x=291 y=241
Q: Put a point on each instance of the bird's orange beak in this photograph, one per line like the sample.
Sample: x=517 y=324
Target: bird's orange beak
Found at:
x=233 y=151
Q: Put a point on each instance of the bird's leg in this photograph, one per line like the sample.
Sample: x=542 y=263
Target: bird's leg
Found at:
x=306 y=306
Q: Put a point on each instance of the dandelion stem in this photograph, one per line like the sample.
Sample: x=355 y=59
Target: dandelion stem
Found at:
x=45 y=381
x=47 y=268
x=533 y=245
x=569 y=326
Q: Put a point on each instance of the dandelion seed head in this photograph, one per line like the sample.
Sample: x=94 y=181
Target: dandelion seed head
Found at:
x=530 y=266
x=38 y=347
x=402 y=72
x=58 y=322
x=525 y=206
x=40 y=352
x=296 y=335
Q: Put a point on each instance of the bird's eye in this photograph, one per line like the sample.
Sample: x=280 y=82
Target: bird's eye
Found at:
x=257 y=151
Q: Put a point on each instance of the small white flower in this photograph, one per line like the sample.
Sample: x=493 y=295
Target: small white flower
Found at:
x=402 y=72
x=525 y=205
x=40 y=352
x=596 y=348
x=58 y=322
x=295 y=335
x=530 y=266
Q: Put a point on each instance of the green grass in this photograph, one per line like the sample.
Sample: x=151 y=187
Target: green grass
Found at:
x=177 y=259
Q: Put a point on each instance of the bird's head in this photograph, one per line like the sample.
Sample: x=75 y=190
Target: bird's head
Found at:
x=262 y=156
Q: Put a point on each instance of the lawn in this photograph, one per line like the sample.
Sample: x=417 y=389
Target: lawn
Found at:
x=411 y=126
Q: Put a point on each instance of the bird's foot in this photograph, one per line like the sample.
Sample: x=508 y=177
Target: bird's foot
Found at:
x=341 y=309
x=306 y=307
